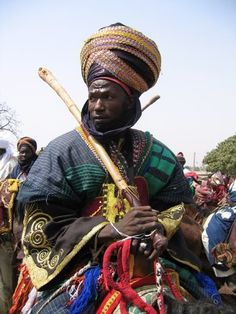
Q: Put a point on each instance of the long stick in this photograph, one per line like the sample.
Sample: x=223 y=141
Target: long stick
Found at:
x=131 y=196
x=49 y=78
x=151 y=101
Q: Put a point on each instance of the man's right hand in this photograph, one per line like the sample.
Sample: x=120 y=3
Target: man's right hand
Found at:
x=139 y=220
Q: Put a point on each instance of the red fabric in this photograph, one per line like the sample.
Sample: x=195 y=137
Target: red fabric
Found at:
x=203 y=194
x=92 y=207
x=121 y=84
x=173 y=288
x=142 y=188
x=191 y=174
x=219 y=193
x=113 y=297
x=22 y=291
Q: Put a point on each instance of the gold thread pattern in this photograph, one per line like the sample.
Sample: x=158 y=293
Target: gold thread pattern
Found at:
x=171 y=219
x=37 y=241
x=98 y=49
x=42 y=265
x=8 y=191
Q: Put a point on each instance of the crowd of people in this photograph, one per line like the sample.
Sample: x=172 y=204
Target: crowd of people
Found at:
x=89 y=245
x=13 y=170
x=215 y=200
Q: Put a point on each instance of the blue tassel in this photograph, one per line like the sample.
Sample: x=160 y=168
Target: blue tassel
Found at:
x=209 y=288
x=89 y=291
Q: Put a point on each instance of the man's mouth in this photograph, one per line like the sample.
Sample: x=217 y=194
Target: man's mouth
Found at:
x=100 y=119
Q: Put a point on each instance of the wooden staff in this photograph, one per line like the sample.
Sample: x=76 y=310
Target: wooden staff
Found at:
x=49 y=78
x=151 y=101
x=132 y=197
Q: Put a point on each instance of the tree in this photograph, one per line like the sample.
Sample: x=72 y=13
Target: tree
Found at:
x=8 y=121
x=223 y=157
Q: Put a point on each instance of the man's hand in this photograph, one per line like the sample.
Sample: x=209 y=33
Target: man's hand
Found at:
x=138 y=220
x=150 y=247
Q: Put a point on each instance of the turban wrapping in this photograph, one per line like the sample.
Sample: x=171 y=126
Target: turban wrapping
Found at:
x=124 y=53
x=29 y=142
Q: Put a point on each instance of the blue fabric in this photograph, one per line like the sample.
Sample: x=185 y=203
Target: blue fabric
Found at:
x=219 y=227
x=232 y=191
x=209 y=288
x=18 y=169
x=57 y=305
x=232 y=196
x=88 y=293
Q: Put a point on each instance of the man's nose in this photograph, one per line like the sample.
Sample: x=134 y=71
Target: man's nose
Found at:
x=99 y=105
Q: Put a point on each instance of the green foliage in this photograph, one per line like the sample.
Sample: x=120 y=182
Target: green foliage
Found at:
x=223 y=157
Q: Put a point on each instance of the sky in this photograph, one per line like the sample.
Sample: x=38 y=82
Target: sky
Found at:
x=197 y=84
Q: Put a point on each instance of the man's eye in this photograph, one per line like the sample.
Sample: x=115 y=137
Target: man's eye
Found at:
x=91 y=98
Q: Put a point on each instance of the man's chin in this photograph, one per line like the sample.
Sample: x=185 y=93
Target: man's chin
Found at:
x=102 y=127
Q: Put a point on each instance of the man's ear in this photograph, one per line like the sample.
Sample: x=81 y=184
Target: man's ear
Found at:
x=130 y=102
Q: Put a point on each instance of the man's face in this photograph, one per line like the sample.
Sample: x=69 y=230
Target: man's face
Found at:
x=108 y=104
x=25 y=154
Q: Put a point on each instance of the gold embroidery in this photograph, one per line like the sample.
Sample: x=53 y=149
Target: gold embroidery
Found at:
x=114 y=206
x=110 y=301
x=37 y=239
x=171 y=218
x=8 y=192
x=38 y=275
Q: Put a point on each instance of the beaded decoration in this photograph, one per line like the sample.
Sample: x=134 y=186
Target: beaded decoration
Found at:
x=114 y=204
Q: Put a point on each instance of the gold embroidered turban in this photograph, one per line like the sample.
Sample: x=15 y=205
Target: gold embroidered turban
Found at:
x=124 y=53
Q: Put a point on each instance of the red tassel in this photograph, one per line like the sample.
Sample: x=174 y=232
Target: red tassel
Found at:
x=123 y=286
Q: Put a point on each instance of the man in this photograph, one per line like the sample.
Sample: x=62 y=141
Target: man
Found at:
x=13 y=173
x=73 y=210
x=7 y=163
x=181 y=159
x=219 y=241
x=26 y=147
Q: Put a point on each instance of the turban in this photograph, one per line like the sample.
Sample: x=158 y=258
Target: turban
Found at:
x=4 y=144
x=123 y=53
x=29 y=142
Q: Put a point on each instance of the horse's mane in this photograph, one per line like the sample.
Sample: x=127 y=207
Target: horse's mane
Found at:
x=199 y=307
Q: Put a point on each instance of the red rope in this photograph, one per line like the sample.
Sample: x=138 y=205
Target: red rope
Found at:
x=173 y=287
x=128 y=294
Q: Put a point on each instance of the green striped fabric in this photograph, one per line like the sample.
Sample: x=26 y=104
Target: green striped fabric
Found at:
x=158 y=167
x=84 y=178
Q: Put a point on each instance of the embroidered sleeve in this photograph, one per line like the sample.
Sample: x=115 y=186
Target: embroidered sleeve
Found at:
x=52 y=236
x=171 y=218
